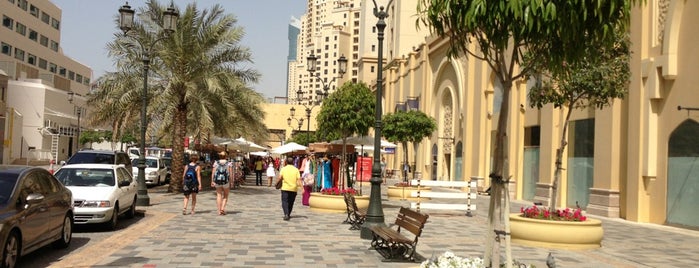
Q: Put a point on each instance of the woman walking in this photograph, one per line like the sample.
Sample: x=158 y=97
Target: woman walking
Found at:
x=191 y=182
x=221 y=180
x=291 y=180
x=271 y=173
x=259 y=167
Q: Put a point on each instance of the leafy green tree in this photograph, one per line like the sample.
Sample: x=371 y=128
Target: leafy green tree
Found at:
x=411 y=126
x=595 y=81
x=347 y=111
x=503 y=33
x=90 y=136
x=197 y=85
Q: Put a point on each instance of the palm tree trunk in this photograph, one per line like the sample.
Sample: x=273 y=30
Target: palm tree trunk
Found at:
x=179 y=130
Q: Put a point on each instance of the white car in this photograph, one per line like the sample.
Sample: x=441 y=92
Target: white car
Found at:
x=156 y=172
x=101 y=192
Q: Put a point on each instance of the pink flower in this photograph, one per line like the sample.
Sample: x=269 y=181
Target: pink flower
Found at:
x=559 y=215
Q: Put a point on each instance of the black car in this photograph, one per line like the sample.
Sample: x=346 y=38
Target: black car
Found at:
x=35 y=210
x=101 y=157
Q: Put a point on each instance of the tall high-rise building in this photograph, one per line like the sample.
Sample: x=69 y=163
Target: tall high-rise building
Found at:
x=292 y=58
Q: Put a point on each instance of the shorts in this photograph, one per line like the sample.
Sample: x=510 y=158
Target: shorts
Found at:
x=188 y=189
x=217 y=185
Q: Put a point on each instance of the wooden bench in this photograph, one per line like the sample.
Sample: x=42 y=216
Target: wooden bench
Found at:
x=355 y=216
x=392 y=244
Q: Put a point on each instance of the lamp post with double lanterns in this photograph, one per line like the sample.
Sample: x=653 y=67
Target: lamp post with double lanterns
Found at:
x=126 y=23
x=310 y=103
x=77 y=110
x=298 y=120
x=374 y=214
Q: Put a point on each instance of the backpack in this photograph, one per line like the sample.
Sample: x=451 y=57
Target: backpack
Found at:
x=190 y=177
x=221 y=176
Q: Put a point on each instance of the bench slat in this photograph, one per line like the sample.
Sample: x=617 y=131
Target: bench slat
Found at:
x=461 y=195
x=444 y=206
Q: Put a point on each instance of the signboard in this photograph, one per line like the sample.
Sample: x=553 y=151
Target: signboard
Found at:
x=390 y=150
x=364 y=168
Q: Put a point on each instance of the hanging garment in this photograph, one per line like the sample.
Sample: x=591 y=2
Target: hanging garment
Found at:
x=327 y=174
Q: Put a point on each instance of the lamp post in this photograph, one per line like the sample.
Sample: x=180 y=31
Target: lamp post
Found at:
x=126 y=23
x=298 y=120
x=312 y=66
x=78 y=111
x=374 y=215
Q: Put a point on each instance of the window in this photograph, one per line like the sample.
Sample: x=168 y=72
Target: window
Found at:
x=19 y=54
x=34 y=11
x=78 y=78
x=6 y=49
x=71 y=75
x=62 y=71
x=372 y=69
x=33 y=35
x=87 y=81
x=11 y=1
x=21 y=29
x=22 y=4
x=52 y=67
x=31 y=59
x=55 y=24
x=45 y=17
x=42 y=63
x=327 y=39
x=7 y=22
x=373 y=48
x=54 y=46
x=44 y=41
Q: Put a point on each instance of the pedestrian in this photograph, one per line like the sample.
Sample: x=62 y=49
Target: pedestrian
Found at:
x=221 y=180
x=383 y=167
x=271 y=173
x=191 y=182
x=309 y=179
x=259 y=166
x=291 y=180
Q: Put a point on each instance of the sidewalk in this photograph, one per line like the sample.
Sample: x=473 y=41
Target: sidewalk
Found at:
x=253 y=234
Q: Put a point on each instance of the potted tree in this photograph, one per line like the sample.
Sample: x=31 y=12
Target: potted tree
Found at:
x=403 y=127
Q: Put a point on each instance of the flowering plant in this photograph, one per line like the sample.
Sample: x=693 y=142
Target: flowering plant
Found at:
x=337 y=191
x=449 y=260
x=402 y=184
x=559 y=215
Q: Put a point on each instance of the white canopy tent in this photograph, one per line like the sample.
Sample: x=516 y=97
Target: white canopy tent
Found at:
x=289 y=148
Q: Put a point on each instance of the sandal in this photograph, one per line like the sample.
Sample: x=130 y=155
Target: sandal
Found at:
x=223 y=212
x=184 y=211
x=192 y=212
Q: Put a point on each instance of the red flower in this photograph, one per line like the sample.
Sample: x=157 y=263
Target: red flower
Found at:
x=559 y=215
x=337 y=191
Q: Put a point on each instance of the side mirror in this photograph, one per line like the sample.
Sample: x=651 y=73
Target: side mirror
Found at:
x=124 y=183
x=34 y=198
x=63 y=162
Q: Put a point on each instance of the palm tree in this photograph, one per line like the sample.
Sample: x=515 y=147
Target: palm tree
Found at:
x=197 y=85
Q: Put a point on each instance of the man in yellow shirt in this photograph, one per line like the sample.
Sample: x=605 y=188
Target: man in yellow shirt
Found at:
x=291 y=181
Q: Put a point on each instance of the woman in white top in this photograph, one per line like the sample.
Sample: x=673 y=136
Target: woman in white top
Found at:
x=270 y=171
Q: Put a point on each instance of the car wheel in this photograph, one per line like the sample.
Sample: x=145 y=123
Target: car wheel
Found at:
x=66 y=233
x=10 y=251
x=132 y=210
x=112 y=224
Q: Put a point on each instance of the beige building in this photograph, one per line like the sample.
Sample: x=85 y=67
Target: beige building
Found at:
x=36 y=79
x=635 y=160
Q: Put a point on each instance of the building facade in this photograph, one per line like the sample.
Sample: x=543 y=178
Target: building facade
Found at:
x=635 y=160
x=37 y=81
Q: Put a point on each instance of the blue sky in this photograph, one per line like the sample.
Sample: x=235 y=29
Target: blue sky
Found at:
x=87 y=26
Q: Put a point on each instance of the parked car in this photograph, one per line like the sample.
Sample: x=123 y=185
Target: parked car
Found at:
x=100 y=157
x=101 y=192
x=167 y=162
x=35 y=210
x=156 y=172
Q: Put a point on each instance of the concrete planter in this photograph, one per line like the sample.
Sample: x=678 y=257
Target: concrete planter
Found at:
x=401 y=192
x=335 y=203
x=556 y=234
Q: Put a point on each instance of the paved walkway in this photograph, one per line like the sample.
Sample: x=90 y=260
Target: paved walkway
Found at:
x=253 y=234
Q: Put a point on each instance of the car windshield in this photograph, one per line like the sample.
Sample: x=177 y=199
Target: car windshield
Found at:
x=86 y=177
x=92 y=158
x=7 y=185
x=151 y=163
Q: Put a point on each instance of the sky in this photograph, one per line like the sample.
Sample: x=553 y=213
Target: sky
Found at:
x=88 y=25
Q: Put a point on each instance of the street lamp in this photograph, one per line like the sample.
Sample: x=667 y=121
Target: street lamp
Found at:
x=126 y=23
x=299 y=120
x=312 y=66
x=78 y=111
x=374 y=215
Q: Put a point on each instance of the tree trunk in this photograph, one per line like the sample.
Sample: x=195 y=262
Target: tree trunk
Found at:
x=559 y=161
x=342 y=165
x=498 y=188
x=179 y=128
x=415 y=144
x=405 y=162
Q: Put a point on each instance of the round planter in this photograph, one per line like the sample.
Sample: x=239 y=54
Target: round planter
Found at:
x=335 y=203
x=402 y=193
x=556 y=234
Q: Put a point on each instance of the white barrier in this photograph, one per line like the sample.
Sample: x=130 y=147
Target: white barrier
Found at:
x=468 y=195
